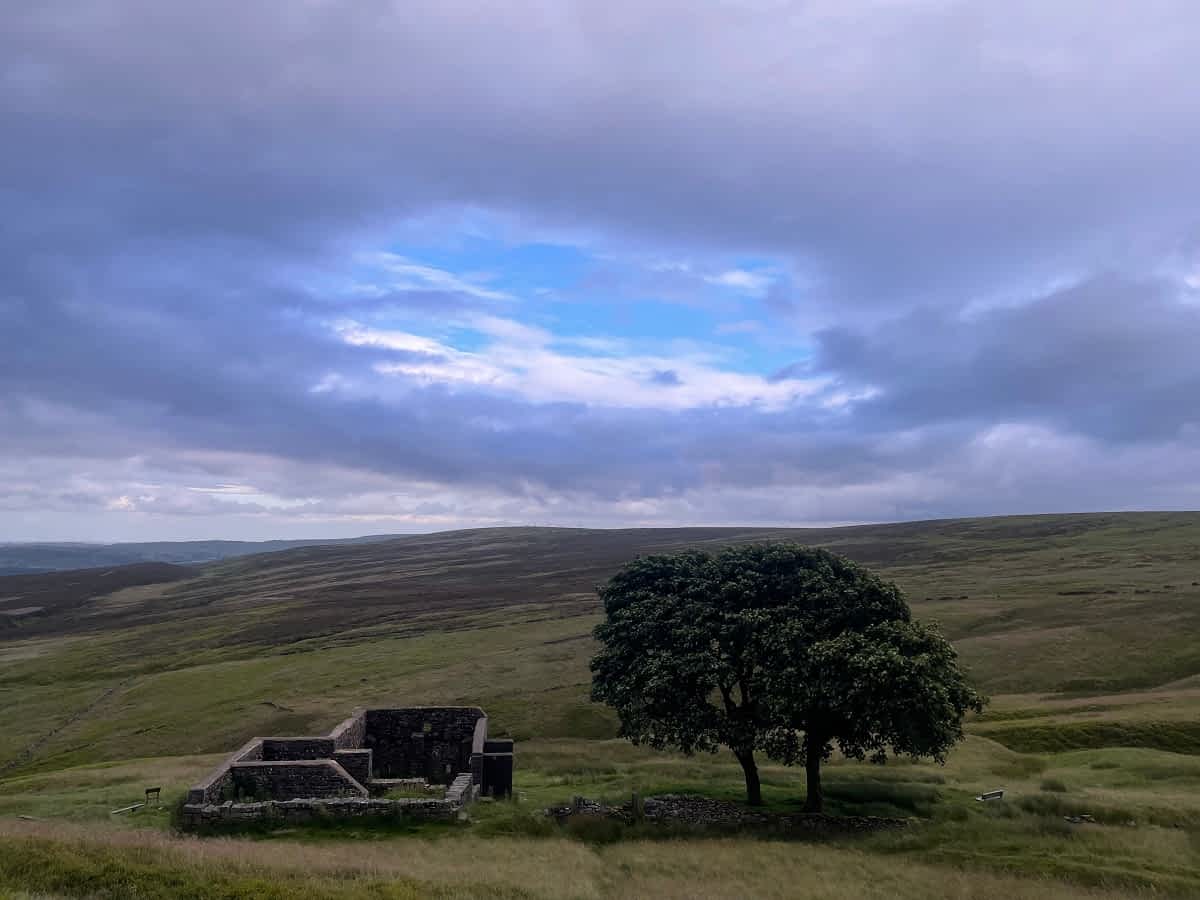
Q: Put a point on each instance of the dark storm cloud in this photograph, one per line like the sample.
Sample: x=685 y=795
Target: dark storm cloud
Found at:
x=1111 y=358
x=899 y=148
x=161 y=164
x=178 y=370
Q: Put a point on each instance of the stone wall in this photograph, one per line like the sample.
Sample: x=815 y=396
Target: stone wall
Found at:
x=229 y=814
x=435 y=743
x=497 y=774
x=298 y=778
x=249 y=752
x=357 y=763
x=284 y=748
x=308 y=779
x=478 y=743
x=218 y=786
x=349 y=733
x=461 y=790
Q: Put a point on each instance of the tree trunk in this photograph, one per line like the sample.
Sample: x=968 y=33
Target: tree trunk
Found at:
x=815 y=801
x=750 y=768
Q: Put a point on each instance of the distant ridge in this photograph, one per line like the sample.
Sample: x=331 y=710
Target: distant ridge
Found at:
x=36 y=558
x=57 y=556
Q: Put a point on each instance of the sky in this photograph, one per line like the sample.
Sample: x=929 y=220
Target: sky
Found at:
x=298 y=268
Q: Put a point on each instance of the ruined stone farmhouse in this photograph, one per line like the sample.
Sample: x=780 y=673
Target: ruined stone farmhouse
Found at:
x=438 y=757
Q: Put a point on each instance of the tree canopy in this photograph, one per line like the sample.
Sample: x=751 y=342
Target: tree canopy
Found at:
x=774 y=648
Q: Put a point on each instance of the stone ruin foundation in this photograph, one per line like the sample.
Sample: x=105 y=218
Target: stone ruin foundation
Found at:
x=441 y=753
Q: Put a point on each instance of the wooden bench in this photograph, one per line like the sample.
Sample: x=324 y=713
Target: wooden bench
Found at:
x=151 y=793
x=990 y=795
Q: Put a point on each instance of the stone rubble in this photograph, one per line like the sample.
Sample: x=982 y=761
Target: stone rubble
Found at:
x=688 y=809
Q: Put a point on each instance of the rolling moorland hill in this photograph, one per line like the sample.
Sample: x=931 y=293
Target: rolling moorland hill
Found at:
x=1085 y=629
x=33 y=558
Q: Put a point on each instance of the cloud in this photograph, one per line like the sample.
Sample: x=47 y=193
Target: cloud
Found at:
x=521 y=362
x=742 y=280
x=402 y=275
x=1110 y=358
x=666 y=377
x=905 y=245
x=858 y=135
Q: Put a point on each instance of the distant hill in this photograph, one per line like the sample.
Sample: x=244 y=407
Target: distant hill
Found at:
x=30 y=559
x=1082 y=628
x=1035 y=603
x=26 y=598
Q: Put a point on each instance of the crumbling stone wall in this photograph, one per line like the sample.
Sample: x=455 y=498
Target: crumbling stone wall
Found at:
x=218 y=786
x=296 y=777
x=284 y=748
x=349 y=733
x=250 y=752
x=435 y=743
x=478 y=744
x=357 y=763
x=307 y=779
x=227 y=815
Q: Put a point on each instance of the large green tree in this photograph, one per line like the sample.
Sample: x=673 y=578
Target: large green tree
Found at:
x=774 y=648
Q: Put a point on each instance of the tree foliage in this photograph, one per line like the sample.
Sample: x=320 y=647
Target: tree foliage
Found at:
x=777 y=648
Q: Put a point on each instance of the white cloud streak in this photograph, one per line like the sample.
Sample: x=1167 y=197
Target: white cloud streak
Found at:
x=523 y=362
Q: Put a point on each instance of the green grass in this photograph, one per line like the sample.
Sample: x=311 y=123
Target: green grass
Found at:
x=1176 y=737
x=1025 y=834
x=68 y=862
x=1081 y=627
x=79 y=869
x=408 y=793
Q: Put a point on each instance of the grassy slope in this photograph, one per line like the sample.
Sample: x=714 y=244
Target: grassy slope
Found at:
x=1083 y=627
x=116 y=864
x=27 y=559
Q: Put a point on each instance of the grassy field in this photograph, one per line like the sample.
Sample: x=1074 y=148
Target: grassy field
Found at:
x=1085 y=630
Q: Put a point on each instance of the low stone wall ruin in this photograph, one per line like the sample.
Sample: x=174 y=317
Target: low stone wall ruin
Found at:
x=445 y=750
x=309 y=778
x=218 y=786
x=461 y=793
x=350 y=732
x=431 y=743
x=286 y=748
x=356 y=762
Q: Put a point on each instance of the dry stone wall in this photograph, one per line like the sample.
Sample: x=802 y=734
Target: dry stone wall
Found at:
x=300 y=778
x=230 y=814
x=435 y=743
x=349 y=734
x=310 y=779
x=277 y=748
x=356 y=762
x=218 y=787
